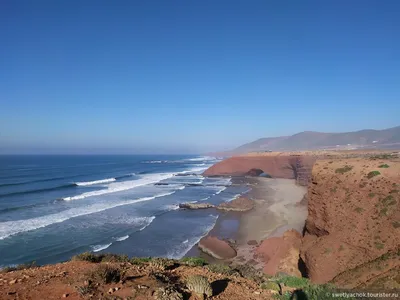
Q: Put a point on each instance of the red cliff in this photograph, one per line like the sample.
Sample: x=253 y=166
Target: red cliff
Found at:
x=353 y=225
x=276 y=165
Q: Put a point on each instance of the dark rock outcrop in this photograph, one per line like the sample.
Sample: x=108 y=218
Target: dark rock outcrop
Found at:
x=216 y=248
x=195 y=205
x=254 y=172
x=238 y=204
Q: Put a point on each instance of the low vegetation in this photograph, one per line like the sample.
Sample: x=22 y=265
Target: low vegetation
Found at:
x=383 y=156
x=193 y=261
x=112 y=268
x=304 y=289
x=199 y=285
x=105 y=273
x=19 y=267
x=373 y=174
x=221 y=269
x=344 y=169
x=384 y=166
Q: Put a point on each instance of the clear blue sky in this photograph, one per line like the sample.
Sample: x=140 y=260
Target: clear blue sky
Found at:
x=192 y=76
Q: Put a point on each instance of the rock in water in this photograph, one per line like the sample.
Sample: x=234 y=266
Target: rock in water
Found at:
x=238 y=204
x=195 y=205
x=216 y=248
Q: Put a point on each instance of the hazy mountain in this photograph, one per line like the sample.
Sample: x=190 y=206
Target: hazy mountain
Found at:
x=309 y=140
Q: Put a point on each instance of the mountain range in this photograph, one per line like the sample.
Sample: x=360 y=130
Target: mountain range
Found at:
x=312 y=140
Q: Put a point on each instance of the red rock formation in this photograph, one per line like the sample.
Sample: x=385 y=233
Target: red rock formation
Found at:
x=279 y=166
x=216 y=248
x=352 y=219
x=238 y=204
x=281 y=254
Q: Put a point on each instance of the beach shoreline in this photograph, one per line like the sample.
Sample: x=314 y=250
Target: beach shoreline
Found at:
x=277 y=208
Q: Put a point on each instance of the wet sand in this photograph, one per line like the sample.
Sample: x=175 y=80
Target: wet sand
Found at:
x=277 y=209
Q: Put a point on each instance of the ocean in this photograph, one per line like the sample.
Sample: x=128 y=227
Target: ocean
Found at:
x=53 y=207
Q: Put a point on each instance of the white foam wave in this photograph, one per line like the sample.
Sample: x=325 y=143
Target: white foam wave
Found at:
x=153 y=162
x=151 y=219
x=221 y=190
x=122 y=238
x=188 y=244
x=202 y=158
x=122 y=186
x=98 y=248
x=95 y=182
x=196 y=165
x=10 y=228
x=172 y=207
x=196 y=170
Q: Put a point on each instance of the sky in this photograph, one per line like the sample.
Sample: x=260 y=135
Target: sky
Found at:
x=192 y=76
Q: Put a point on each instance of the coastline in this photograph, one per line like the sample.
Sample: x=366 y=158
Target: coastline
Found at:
x=277 y=209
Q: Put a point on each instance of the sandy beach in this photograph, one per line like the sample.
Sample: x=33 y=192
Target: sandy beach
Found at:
x=277 y=209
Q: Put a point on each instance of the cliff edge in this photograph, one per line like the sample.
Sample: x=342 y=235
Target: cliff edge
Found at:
x=352 y=233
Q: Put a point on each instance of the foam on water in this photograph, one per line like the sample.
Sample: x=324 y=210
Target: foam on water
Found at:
x=95 y=182
x=122 y=238
x=122 y=186
x=188 y=244
x=10 y=228
x=151 y=219
x=98 y=248
x=221 y=190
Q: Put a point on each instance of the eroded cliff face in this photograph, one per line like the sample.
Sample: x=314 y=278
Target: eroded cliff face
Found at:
x=352 y=232
x=279 y=166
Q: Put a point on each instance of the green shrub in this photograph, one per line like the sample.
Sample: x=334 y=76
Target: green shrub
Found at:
x=199 y=285
x=344 y=169
x=162 y=263
x=221 y=269
x=104 y=257
x=292 y=281
x=108 y=257
x=373 y=174
x=359 y=209
x=140 y=260
x=249 y=272
x=270 y=285
x=193 y=261
x=88 y=256
x=106 y=274
x=306 y=289
x=385 y=166
x=388 y=200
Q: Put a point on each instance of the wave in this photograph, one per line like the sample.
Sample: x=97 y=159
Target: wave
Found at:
x=85 y=183
x=194 y=171
x=122 y=186
x=125 y=176
x=60 y=187
x=122 y=238
x=221 y=190
x=151 y=219
x=98 y=248
x=187 y=174
x=189 y=243
x=202 y=158
x=10 y=228
x=153 y=161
